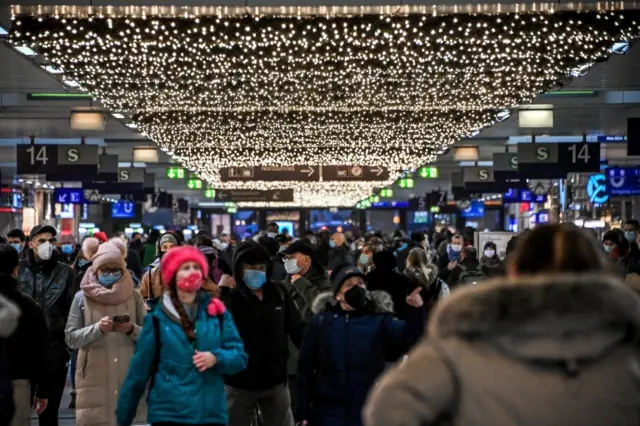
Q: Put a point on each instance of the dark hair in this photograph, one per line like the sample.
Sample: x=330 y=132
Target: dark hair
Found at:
x=470 y=253
x=271 y=244
x=557 y=248
x=154 y=236
x=203 y=240
x=418 y=237
x=17 y=233
x=188 y=326
x=10 y=259
x=633 y=223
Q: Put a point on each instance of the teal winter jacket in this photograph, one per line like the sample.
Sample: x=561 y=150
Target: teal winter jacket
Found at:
x=180 y=393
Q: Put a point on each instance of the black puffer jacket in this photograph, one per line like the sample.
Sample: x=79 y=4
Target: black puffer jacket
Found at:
x=265 y=326
x=50 y=284
x=385 y=278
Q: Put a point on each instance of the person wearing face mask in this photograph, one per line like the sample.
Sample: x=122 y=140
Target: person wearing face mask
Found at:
x=306 y=280
x=267 y=317
x=616 y=247
x=340 y=252
x=186 y=346
x=348 y=344
x=17 y=240
x=272 y=230
x=151 y=286
x=104 y=324
x=491 y=260
x=42 y=277
x=450 y=256
x=365 y=260
x=632 y=232
x=67 y=249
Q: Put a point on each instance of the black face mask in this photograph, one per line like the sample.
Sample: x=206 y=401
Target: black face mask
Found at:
x=356 y=297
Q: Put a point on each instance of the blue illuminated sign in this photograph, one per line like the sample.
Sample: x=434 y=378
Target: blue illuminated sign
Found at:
x=522 y=196
x=68 y=195
x=123 y=210
x=611 y=138
x=475 y=210
x=622 y=181
x=597 y=189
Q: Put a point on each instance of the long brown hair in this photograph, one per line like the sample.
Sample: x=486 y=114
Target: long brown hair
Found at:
x=188 y=326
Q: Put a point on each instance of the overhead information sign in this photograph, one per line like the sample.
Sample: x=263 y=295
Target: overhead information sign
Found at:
x=304 y=173
x=68 y=195
x=354 y=173
x=248 y=195
x=131 y=175
x=555 y=161
x=505 y=165
x=271 y=173
x=59 y=162
x=107 y=168
x=622 y=181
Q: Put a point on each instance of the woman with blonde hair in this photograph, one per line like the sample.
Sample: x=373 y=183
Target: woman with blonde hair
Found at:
x=421 y=272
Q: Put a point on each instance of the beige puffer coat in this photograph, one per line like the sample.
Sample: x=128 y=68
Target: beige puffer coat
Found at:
x=103 y=359
x=548 y=350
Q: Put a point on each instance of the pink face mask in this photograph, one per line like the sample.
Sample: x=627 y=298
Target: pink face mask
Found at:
x=191 y=284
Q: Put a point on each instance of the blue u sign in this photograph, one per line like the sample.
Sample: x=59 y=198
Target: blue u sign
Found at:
x=123 y=210
x=597 y=189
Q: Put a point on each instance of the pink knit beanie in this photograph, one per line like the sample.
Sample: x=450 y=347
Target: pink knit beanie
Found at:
x=176 y=257
x=90 y=247
x=119 y=242
x=108 y=255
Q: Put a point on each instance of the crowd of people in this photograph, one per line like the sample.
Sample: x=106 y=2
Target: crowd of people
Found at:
x=325 y=330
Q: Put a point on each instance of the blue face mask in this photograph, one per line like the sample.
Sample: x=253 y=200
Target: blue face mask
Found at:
x=364 y=259
x=332 y=244
x=17 y=246
x=67 y=248
x=108 y=280
x=82 y=262
x=630 y=236
x=254 y=279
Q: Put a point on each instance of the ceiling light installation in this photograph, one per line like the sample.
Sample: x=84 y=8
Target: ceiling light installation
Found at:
x=378 y=88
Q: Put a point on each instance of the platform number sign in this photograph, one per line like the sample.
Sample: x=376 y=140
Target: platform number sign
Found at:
x=38 y=155
x=580 y=157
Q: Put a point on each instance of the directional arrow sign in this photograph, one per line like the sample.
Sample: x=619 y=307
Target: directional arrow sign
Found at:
x=539 y=187
x=248 y=195
x=271 y=173
x=354 y=172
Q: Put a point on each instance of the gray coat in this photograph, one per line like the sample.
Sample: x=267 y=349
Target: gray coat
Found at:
x=548 y=350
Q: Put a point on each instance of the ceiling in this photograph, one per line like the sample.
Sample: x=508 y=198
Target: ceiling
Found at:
x=615 y=99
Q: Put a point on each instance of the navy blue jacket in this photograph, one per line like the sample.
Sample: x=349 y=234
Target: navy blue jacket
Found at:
x=343 y=353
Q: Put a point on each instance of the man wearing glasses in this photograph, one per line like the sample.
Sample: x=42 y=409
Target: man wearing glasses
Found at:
x=42 y=277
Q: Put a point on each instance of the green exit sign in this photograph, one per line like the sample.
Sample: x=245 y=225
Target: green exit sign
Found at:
x=429 y=172
x=233 y=209
x=175 y=173
x=386 y=193
x=210 y=193
x=194 y=184
x=406 y=183
x=374 y=199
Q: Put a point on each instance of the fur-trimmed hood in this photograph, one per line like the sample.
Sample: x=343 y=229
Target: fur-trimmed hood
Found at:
x=552 y=317
x=381 y=301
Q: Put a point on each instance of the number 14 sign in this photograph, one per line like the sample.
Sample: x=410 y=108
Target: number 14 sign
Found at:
x=579 y=157
x=56 y=159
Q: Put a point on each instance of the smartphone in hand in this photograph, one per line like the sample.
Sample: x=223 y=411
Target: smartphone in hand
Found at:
x=121 y=319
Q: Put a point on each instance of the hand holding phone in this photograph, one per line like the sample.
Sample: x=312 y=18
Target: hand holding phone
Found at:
x=121 y=319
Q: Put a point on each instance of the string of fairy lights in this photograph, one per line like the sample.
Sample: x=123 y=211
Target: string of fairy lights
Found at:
x=372 y=89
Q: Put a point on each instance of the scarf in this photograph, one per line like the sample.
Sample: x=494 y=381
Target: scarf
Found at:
x=117 y=294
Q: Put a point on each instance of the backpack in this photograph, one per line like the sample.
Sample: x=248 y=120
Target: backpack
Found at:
x=471 y=276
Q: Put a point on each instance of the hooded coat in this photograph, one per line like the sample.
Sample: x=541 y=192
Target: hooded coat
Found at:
x=265 y=326
x=180 y=393
x=343 y=353
x=103 y=358
x=544 y=350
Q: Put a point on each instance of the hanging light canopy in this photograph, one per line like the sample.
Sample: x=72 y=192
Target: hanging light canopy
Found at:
x=218 y=87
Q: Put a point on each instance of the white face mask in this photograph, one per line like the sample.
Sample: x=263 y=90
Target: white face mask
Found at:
x=45 y=250
x=271 y=234
x=456 y=247
x=489 y=253
x=291 y=266
x=223 y=246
